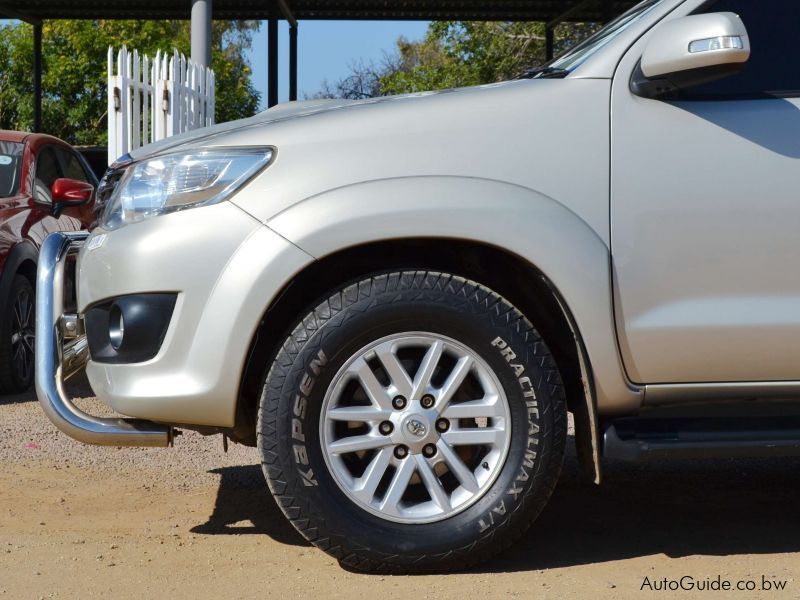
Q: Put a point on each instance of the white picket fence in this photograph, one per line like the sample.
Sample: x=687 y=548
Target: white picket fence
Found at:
x=149 y=101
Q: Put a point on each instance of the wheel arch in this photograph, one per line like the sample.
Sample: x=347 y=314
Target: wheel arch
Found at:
x=550 y=240
x=21 y=260
x=552 y=234
x=490 y=265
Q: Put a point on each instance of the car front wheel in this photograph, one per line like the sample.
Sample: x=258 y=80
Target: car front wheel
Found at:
x=17 y=327
x=413 y=422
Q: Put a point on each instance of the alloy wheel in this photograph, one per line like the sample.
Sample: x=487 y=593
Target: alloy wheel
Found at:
x=415 y=427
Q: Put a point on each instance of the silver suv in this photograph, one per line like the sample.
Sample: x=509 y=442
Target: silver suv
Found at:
x=400 y=300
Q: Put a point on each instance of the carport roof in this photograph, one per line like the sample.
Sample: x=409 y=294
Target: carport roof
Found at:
x=428 y=10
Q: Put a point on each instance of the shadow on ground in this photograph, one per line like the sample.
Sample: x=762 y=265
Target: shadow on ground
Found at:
x=676 y=508
x=76 y=387
x=244 y=505
x=719 y=508
x=29 y=396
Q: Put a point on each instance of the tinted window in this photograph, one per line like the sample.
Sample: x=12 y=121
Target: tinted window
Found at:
x=10 y=168
x=71 y=166
x=47 y=171
x=774 y=65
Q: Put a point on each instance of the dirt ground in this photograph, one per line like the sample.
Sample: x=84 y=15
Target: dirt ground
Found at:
x=192 y=522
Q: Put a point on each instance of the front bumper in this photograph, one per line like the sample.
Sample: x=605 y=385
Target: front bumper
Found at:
x=223 y=267
x=57 y=359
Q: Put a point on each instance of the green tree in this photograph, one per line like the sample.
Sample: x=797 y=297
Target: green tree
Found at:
x=74 y=73
x=456 y=54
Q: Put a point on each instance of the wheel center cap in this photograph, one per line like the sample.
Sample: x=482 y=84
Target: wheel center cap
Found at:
x=414 y=430
x=416 y=427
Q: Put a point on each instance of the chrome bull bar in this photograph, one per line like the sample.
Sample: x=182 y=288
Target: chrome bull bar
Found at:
x=57 y=360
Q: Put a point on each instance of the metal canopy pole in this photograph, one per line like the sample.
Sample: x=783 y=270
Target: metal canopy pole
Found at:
x=293 y=62
x=549 y=42
x=37 y=77
x=550 y=26
x=201 y=32
x=272 y=62
x=287 y=14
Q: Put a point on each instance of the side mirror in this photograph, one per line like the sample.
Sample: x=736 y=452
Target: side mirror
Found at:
x=69 y=192
x=690 y=51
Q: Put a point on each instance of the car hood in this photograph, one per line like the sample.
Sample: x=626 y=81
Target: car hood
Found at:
x=277 y=113
x=286 y=111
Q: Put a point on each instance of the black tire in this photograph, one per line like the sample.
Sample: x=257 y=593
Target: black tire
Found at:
x=369 y=310
x=16 y=352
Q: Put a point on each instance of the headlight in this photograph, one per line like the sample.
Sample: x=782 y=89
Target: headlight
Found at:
x=181 y=180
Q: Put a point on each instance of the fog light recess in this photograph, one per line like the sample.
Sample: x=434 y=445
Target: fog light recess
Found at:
x=128 y=329
x=116 y=327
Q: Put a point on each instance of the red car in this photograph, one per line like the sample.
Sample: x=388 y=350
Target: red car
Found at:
x=45 y=186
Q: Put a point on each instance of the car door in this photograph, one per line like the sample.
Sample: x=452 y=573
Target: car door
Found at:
x=705 y=214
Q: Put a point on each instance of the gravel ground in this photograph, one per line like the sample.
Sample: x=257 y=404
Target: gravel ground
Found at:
x=192 y=521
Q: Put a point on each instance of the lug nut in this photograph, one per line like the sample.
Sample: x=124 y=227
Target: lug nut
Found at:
x=399 y=402
x=401 y=452
x=386 y=427
x=429 y=450
x=427 y=401
x=442 y=425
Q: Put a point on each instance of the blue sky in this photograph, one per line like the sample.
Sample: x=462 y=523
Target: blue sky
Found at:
x=326 y=49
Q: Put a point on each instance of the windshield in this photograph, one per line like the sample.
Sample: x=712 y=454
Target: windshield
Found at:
x=575 y=57
x=10 y=168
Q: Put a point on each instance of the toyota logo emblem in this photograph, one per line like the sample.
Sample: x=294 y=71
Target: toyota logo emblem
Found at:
x=416 y=427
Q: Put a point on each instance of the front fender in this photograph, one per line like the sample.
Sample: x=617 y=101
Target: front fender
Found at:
x=534 y=226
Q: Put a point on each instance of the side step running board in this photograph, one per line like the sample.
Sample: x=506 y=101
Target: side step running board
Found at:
x=632 y=440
